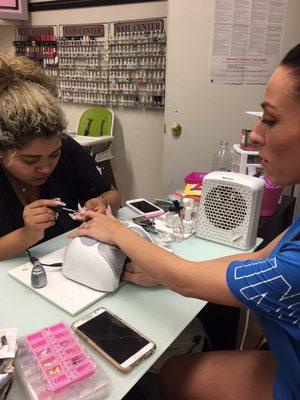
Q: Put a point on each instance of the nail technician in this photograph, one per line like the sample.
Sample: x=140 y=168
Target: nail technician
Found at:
x=268 y=281
x=39 y=163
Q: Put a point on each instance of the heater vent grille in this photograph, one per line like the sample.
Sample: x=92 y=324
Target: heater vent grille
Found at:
x=227 y=212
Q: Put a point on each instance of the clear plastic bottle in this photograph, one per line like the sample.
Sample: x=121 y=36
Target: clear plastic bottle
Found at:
x=222 y=160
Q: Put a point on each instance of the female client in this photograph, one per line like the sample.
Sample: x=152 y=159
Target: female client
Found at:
x=39 y=163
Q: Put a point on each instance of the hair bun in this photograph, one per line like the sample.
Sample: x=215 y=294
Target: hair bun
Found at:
x=15 y=69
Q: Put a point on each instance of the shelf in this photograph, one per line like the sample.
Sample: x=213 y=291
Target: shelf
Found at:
x=135 y=80
x=136 y=55
x=255 y=113
x=83 y=79
x=248 y=165
x=90 y=140
x=79 y=67
x=51 y=67
x=135 y=93
x=80 y=56
x=112 y=103
x=94 y=44
x=82 y=101
x=88 y=90
x=237 y=148
x=136 y=67
x=120 y=42
x=34 y=43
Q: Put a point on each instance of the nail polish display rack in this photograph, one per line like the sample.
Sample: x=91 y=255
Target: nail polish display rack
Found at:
x=42 y=49
x=127 y=69
x=83 y=75
x=136 y=69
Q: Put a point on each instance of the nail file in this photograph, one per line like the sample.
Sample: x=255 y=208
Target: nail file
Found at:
x=60 y=208
x=69 y=210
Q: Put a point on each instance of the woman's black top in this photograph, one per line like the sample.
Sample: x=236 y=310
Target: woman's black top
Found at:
x=74 y=179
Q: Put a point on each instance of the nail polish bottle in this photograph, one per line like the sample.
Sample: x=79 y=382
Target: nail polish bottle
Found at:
x=187 y=221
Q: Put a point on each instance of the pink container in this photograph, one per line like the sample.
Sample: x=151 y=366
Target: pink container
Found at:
x=61 y=358
x=270 y=200
x=195 y=177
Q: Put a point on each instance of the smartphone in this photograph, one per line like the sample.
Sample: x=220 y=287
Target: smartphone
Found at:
x=143 y=221
x=143 y=206
x=116 y=340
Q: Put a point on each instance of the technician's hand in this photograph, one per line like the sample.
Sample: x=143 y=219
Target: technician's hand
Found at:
x=96 y=204
x=99 y=226
x=38 y=217
x=132 y=273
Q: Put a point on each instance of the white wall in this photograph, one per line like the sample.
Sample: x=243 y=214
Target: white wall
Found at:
x=138 y=134
x=207 y=112
x=7 y=35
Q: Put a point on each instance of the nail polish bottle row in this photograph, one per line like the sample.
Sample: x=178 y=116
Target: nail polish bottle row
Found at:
x=128 y=37
x=84 y=85
x=86 y=74
x=132 y=49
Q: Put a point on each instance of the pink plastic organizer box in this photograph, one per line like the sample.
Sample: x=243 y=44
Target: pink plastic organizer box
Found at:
x=53 y=365
x=195 y=177
x=59 y=355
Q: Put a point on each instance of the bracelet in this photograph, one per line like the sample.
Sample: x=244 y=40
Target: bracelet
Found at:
x=105 y=201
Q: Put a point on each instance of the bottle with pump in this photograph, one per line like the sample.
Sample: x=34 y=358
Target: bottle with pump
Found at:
x=222 y=160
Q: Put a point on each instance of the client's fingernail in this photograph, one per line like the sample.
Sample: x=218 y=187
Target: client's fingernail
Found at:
x=61 y=203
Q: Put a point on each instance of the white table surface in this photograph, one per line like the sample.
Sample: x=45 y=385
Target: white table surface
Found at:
x=157 y=312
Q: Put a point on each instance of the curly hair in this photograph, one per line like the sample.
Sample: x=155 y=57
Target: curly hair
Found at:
x=29 y=107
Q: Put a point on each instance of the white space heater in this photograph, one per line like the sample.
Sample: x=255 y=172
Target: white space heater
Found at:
x=229 y=208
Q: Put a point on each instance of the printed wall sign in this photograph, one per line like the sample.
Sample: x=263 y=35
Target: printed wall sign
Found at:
x=96 y=30
x=139 y=26
x=36 y=31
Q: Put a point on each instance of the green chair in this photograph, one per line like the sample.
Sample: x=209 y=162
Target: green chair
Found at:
x=98 y=122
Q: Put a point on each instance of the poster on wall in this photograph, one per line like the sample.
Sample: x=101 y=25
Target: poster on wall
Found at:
x=14 y=9
x=247 y=40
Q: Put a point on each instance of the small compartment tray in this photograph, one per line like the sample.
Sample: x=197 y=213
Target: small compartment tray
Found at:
x=54 y=365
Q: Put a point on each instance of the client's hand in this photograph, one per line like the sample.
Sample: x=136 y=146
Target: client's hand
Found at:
x=38 y=217
x=96 y=204
x=99 y=226
x=132 y=273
